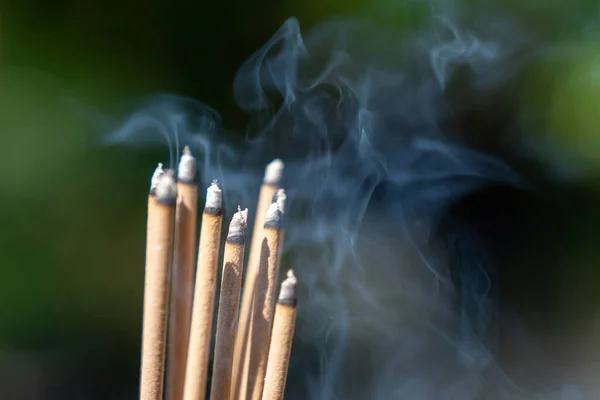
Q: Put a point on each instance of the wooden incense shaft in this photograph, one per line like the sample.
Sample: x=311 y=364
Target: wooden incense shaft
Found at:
x=182 y=288
x=270 y=186
x=204 y=297
x=282 y=337
x=267 y=192
x=242 y=345
x=159 y=249
x=229 y=301
x=245 y=329
x=264 y=302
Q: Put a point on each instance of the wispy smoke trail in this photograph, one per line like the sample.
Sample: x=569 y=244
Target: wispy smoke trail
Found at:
x=392 y=305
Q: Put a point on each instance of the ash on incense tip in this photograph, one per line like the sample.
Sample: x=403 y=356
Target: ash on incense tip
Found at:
x=166 y=188
x=287 y=294
x=274 y=172
x=274 y=217
x=156 y=176
x=280 y=198
x=214 y=199
x=238 y=225
x=186 y=172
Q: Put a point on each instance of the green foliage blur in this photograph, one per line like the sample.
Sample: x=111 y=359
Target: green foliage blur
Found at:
x=73 y=212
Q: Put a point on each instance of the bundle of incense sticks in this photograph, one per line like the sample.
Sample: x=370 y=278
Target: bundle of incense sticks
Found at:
x=253 y=339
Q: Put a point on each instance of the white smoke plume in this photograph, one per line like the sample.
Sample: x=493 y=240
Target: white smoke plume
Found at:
x=396 y=299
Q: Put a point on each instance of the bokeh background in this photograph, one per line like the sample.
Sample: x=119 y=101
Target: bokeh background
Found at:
x=72 y=215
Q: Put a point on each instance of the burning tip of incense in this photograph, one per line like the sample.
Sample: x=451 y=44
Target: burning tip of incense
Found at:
x=291 y=277
x=274 y=215
x=274 y=172
x=214 y=196
x=238 y=225
x=166 y=188
x=187 y=167
x=156 y=176
x=287 y=294
x=280 y=198
x=241 y=217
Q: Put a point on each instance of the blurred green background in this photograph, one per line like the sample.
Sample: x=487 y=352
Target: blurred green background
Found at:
x=72 y=221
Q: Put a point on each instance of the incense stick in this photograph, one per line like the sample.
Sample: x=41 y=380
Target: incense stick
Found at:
x=159 y=242
x=269 y=187
x=264 y=302
x=204 y=296
x=281 y=340
x=184 y=258
x=229 y=300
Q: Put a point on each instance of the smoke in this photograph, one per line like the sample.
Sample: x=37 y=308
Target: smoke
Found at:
x=397 y=300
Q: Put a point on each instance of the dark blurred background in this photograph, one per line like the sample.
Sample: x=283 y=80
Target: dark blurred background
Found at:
x=72 y=221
